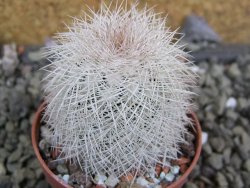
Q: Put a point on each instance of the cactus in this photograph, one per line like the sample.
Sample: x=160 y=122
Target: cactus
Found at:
x=118 y=91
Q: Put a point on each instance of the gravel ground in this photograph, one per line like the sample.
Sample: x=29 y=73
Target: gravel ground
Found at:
x=223 y=107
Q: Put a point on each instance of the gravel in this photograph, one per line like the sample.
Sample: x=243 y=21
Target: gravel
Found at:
x=223 y=108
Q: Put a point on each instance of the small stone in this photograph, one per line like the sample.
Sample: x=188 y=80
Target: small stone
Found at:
x=24 y=139
x=19 y=175
x=221 y=104
x=156 y=181
x=100 y=179
x=204 y=137
x=5 y=182
x=207 y=149
x=216 y=161
x=247 y=165
x=31 y=183
x=24 y=124
x=15 y=156
x=142 y=181
x=231 y=103
x=11 y=167
x=245 y=177
x=227 y=155
x=39 y=173
x=62 y=169
x=243 y=151
x=238 y=131
x=157 y=186
x=24 y=158
x=9 y=127
x=165 y=169
x=162 y=175
x=45 y=132
x=43 y=145
x=65 y=178
x=169 y=177
x=234 y=71
x=230 y=177
x=190 y=185
x=242 y=103
x=29 y=174
x=42 y=184
x=2 y=169
x=236 y=161
x=112 y=181
x=221 y=180
x=33 y=164
x=218 y=144
x=207 y=171
x=175 y=169
x=238 y=182
x=230 y=114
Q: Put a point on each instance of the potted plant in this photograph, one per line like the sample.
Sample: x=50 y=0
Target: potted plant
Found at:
x=118 y=101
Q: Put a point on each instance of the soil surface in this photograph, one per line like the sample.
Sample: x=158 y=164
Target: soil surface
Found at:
x=31 y=21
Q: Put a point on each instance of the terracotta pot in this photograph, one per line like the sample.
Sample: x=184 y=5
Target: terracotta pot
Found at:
x=56 y=182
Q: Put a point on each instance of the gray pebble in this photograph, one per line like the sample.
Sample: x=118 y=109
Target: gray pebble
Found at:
x=5 y=182
x=42 y=184
x=15 y=156
x=3 y=154
x=62 y=169
x=11 y=167
x=9 y=127
x=227 y=155
x=234 y=71
x=218 y=144
x=232 y=115
x=221 y=180
x=207 y=149
x=245 y=177
x=246 y=165
x=2 y=169
x=18 y=175
x=30 y=174
x=190 y=185
x=216 y=161
x=24 y=124
x=238 y=182
x=31 y=183
x=236 y=161
x=33 y=164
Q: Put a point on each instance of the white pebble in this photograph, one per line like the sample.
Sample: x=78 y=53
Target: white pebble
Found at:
x=204 y=138
x=175 y=169
x=156 y=181
x=162 y=175
x=142 y=181
x=100 y=179
x=195 y=69
x=65 y=178
x=112 y=181
x=169 y=177
x=231 y=103
x=158 y=186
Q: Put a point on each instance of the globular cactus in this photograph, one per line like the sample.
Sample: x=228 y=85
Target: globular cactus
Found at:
x=118 y=92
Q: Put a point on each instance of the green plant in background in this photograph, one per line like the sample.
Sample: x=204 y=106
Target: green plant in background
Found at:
x=118 y=92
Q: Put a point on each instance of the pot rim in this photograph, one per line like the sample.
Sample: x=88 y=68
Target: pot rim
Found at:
x=178 y=182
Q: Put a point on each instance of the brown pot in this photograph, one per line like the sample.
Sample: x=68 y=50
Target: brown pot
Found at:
x=56 y=182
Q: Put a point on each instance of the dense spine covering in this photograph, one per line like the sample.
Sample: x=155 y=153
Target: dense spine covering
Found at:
x=118 y=91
